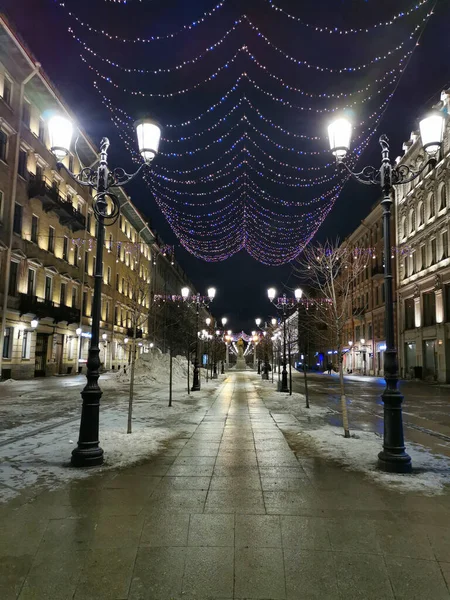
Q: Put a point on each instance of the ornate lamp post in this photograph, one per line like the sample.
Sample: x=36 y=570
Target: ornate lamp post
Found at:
x=283 y=304
x=224 y=322
x=102 y=182
x=393 y=458
x=199 y=302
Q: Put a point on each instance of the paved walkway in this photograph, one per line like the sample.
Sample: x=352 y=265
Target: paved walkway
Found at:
x=228 y=512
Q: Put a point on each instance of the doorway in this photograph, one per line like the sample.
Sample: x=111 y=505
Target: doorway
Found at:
x=40 y=364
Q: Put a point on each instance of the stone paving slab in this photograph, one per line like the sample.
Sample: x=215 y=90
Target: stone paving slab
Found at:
x=227 y=512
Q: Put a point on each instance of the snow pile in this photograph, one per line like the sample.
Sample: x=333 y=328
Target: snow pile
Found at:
x=431 y=472
x=154 y=368
x=8 y=381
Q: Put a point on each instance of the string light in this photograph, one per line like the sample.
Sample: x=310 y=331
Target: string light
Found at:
x=152 y=38
x=339 y=31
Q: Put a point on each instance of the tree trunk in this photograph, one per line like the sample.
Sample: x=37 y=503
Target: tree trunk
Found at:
x=343 y=397
x=170 y=375
x=130 y=400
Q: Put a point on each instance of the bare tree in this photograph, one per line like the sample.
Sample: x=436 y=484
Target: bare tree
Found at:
x=331 y=270
x=138 y=289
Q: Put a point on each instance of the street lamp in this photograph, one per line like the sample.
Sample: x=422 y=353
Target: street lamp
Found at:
x=34 y=323
x=101 y=181
x=198 y=301
x=393 y=458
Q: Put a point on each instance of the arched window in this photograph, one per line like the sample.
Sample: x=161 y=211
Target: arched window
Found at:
x=421 y=214
x=443 y=198
x=403 y=229
x=431 y=206
x=412 y=221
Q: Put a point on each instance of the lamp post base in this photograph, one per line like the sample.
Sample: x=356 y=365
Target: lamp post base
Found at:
x=394 y=463
x=87 y=457
x=196 y=380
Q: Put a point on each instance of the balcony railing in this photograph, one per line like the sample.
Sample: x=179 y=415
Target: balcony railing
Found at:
x=46 y=308
x=52 y=200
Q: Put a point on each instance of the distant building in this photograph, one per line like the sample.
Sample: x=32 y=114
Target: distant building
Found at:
x=423 y=210
x=365 y=343
x=48 y=239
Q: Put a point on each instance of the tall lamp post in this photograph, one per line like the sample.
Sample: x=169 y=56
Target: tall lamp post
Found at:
x=106 y=206
x=393 y=458
x=224 y=321
x=283 y=304
x=199 y=302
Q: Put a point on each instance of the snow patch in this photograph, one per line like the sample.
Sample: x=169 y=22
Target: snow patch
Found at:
x=431 y=472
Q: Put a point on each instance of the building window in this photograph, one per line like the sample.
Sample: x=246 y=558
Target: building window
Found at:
x=108 y=275
x=447 y=302
x=423 y=257
x=116 y=315
x=433 y=251
x=411 y=263
x=84 y=308
x=65 y=254
x=34 y=228
x=26 y=343
x=22 y=164
x=94 y=265
x=7 y=90
x=412 y=221
x=74 y=296
x=117 y=281
x=75 y=255
x=118 y=250
x=1 y=206
x=86 y=262
x=123 y=285
x=13 y=273
x=62 y=294
x=405 y=267
x=48 y=288
x=7 y=342
x=31 y=282
x=110 y=242
x=444 y=238
x=403 y=228
x=51 y=239
x=88 y=226
x=17 y=225
x=421 y=214
x=107 y=311
x=431 y=206
x=41 y=134
x=443 y=198
x=409 y=313
x=429 y=308
x=3 y=146
x=26 y=112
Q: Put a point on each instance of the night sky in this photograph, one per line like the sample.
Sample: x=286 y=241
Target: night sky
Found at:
x=241 y=281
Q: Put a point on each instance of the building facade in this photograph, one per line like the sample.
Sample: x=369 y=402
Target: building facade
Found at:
x=48 y=239
x=364 y=342
x=423 y=210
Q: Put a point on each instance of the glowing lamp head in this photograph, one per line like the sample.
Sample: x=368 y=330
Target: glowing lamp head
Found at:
x=258 y=322
x=274 y=322
x=253 y=333
x=271 y=293
x=104 y=336
x=217 y=332
x=224 y=321
x=148 y=134
x=151 y=344
x=229 y=332
x=185 y=293
x=211 y=293
x=432 y=132
x=339 y=134
x=208 y=321
x=60 y=132
x=34 y=323
x=350 y=343
x=298 y=294
x=78 y=330
x=363 y=341
x=125 y=341
x=255 y=338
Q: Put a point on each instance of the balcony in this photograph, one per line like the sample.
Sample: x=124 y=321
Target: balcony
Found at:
x=51 y=200
x=45 y=308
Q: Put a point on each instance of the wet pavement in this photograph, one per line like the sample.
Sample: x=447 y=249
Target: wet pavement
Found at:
x=228 y=511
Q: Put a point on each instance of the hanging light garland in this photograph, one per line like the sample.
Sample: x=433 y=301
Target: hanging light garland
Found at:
x=339 y=31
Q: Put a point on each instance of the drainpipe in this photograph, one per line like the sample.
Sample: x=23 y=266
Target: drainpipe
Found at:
x=14 y=168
